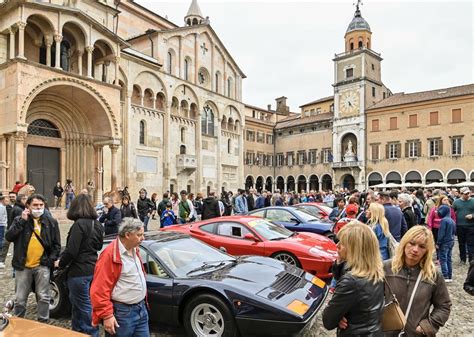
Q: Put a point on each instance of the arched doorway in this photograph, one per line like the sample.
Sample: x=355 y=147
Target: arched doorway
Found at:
x=43 y=161
x=301 y=184
x=269 y=184
x=348 y=182
x=456 y=176
x=313 y=183
x=394 y=178
x=375 y=178
x=290 y=184
x=249 y=182
x=259 y=184
x=280 y=184
x=326 y=182
x=413 y=177
x=433 y=176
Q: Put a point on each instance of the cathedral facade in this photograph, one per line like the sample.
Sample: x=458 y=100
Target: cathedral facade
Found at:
x=112 y=93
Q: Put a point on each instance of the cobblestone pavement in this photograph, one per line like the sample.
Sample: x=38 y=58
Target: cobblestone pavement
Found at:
x=460 y=323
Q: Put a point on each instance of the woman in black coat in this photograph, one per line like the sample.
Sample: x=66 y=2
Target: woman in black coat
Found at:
x=84 y=240
x=357 y=304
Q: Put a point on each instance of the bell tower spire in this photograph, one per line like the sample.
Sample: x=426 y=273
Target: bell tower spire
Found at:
x=358 y=34
x=194 y=16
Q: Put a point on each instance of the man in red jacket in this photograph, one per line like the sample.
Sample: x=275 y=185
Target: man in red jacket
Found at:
x=119 y=285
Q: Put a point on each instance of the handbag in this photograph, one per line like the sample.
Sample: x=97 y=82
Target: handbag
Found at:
x=393 y=317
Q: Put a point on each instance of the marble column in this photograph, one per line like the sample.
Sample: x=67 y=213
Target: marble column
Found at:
x=57 y=40
x=48 y=43
x=3 y=164
x=79 y=62
x=117 y=70
x=20 y=156
x=113 y=166
x=307 y=186
x=12 y=31
x=99 y=170
x=196 y=58
x=180 y=57
x=89 y=64
x=21 y=40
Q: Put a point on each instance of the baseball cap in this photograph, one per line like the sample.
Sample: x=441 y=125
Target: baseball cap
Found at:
x=352 y=209
x=465 y=190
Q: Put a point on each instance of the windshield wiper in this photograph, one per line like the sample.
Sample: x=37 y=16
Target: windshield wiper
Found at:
x=208 y=265
x=279 y=238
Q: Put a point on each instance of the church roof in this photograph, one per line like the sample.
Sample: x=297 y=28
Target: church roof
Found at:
x=423 y=96
x=194 y=9
x=358 y=22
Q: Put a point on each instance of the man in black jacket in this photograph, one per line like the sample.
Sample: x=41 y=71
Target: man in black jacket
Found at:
x=144 y=207
x=111 y=218
x=210 y=207
x=250 y=199
x=37 y=245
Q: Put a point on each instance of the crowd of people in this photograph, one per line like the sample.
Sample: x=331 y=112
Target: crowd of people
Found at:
x=389 y=246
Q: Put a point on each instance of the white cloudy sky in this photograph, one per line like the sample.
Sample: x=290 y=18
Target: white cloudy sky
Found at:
x=286 y=47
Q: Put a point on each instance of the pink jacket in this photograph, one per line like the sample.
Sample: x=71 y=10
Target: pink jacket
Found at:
x=434 y=220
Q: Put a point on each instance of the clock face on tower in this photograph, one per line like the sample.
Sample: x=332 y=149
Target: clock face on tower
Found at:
x=349 y=102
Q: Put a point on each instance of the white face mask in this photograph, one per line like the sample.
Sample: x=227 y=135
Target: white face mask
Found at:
x=36 y=213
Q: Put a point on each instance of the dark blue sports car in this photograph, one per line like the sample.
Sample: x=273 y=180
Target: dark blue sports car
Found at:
x=215 y=294
x=295 y=219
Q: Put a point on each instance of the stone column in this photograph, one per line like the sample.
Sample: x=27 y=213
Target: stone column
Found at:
x=213 y=76
x=99 y=172
x=48 y=43
x=79 y=62
x=57 y=39
x=21 y=40
x=198 y=135
x=117 y=70
x=286 y=187
x=89 y=67
x=196 y=58
x=20 y=156
x=113 y=173
x=180 y=58
x=153 y=100
x=105 y=75
x=12 y=31
x=307 y=186
x=218 y=155
x=3 y=164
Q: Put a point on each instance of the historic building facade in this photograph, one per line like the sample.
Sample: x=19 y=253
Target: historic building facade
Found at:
x=118 y=95
x=363 y=135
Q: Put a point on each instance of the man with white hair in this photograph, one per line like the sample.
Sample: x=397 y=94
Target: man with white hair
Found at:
x=119 y=284
x=405 y=201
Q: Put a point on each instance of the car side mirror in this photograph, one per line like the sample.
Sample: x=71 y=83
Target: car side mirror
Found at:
x=295 y=220
x=251 y=237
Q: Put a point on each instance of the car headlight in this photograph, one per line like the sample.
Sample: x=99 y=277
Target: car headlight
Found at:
x=317 y=251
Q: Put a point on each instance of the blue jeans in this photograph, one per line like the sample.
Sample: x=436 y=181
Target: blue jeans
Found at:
x=81 y=308
x=132 y=320
x=145 y=219
x=445 y=259
x=69 y=199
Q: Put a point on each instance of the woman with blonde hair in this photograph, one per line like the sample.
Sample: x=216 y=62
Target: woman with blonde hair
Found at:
x=413 y=278
x=357 y=304
x=379 y=224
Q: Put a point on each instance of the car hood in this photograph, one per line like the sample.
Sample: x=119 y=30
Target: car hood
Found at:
x=312 y=240
x=18 y=327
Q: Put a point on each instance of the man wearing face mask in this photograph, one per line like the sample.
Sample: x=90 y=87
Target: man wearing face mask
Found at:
x=37 y=245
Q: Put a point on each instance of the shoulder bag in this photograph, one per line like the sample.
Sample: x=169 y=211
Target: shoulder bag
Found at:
x=393 y=318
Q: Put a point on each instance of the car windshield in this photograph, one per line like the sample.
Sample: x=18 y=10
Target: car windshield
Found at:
x=313 y=210
x=326 y=209
x=185 y=255
x=304 y=215
x=269 y=230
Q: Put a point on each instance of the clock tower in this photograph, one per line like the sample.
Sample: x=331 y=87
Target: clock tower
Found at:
x=357 y=85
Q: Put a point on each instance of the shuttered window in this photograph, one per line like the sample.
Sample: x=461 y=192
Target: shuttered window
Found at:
x=393 y=123
x=375 y=151
x=413 y=121
x=456 y=116
x=434 y=118
x=375 y=125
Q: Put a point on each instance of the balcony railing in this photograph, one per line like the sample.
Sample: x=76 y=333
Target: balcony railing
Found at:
x=343 y=164
x=186 y=162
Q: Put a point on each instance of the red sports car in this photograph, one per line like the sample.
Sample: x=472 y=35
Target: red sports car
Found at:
x=247 y=235
x=317 y=209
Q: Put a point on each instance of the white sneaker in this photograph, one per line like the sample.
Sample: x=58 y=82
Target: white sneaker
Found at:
x=448 y=280
x=2 y=265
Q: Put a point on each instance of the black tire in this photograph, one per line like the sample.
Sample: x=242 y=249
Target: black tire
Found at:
x=219 y=317
x=59 y=305
x=287 y=257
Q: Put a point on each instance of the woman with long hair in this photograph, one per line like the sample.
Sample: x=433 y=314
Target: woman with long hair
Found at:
x=84 y=240
x=379 y=224
x=413 y=260
x=357 y=304
x=433 y=220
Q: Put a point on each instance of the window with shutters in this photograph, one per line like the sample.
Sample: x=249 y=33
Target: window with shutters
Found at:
x=375 y=125
x=435 y=147
x=456 y=116
x=434 y=118
x=250 y=135
x=456 y=146
x=280 y=159
x=393 y=123
x=260 y=137
x=412 y=149
x=290 y=160
x=301 y=157
x=413 y=121
x=393 y=150
x=375 y=151
x=249 y=158
x=326 y=155
x=269 y=159
x=269 y=139
x=312 y=156
x=259 y=159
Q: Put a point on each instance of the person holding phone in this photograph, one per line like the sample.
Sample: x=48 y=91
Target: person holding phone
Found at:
x=37 y=244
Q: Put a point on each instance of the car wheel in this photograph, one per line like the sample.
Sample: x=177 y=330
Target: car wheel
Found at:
x=59 y=305
x=208 y=315
x=287 y=258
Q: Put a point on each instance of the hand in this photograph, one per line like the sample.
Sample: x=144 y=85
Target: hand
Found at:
x=419 y=329
x=110 y=324
x=56 y=264
x=343 y=323
x=469 y=217
x=437 y=247
x=25 y=213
